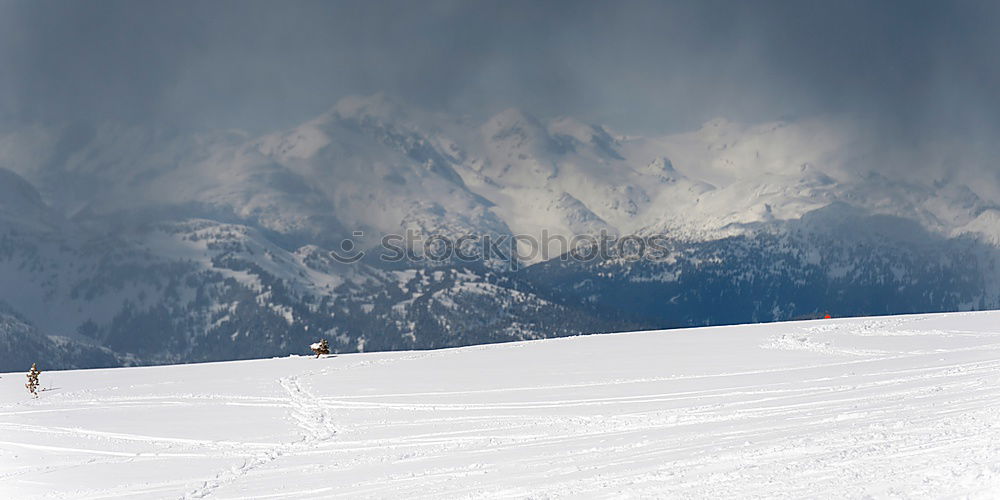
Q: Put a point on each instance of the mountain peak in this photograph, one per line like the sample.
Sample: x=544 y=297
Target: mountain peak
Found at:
x=377 y=107
x=21 y=203
x=17 y=193
x=511 y=121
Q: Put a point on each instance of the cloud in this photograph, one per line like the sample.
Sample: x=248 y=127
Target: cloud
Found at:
x=909 y=69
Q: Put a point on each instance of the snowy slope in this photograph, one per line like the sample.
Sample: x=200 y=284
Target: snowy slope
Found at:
x=902 y=406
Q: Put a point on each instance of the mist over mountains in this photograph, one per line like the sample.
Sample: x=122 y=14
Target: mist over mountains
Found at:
x=180 y=182
x=123 y=246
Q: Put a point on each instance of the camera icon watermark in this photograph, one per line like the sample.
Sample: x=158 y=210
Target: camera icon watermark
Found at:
x=349 y=252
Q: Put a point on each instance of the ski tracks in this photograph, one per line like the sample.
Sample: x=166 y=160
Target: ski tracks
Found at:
x=308 y=412
x=313 y=420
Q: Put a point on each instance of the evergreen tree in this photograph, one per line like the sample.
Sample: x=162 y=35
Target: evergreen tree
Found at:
x=32 y=384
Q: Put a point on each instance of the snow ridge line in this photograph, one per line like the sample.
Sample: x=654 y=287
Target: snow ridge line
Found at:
x=309 y=415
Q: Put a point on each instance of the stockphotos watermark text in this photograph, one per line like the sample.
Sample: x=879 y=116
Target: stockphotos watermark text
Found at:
x=418 y=247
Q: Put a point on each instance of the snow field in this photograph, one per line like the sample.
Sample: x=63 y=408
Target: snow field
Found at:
x=903 y=406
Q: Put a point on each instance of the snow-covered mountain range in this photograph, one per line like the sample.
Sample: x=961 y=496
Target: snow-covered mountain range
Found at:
x=131 y=245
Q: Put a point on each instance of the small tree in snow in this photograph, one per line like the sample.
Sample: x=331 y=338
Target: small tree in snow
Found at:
x=32 y=384
x=320 y=348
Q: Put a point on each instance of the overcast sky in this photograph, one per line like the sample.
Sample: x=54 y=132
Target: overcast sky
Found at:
x=908 y=67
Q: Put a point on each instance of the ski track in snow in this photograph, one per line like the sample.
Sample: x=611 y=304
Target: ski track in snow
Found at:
x=311 y=417
x=900 y=407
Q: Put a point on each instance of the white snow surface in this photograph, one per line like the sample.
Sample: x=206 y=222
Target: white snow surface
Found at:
x=889 y=407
